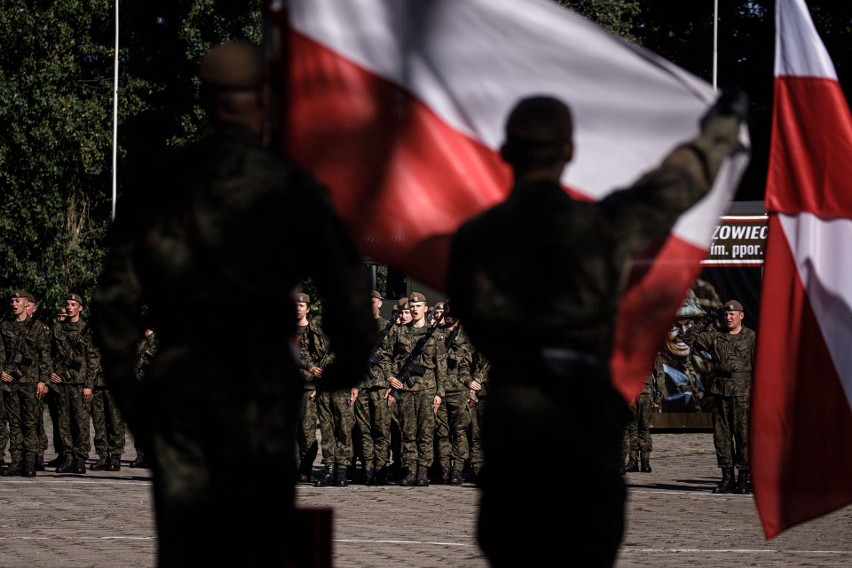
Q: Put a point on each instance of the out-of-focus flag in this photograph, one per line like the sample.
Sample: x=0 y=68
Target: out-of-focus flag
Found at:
x=801 y=416
x=399 y=108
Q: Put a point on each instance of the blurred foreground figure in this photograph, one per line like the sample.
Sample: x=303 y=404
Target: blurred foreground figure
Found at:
x=219 y=224
x=550 y=394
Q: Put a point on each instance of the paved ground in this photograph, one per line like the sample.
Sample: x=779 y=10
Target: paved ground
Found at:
x=103 y=519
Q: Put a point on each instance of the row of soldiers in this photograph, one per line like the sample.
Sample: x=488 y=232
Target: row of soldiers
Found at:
x=413 y=418
x=55 y=366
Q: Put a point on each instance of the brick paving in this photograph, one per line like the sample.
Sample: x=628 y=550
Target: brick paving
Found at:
x=104 y=519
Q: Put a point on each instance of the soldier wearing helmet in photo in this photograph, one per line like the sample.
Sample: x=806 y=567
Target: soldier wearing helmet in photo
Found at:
x=686 y=371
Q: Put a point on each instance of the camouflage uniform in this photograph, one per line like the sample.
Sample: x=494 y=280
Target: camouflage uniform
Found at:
x=417 y=419
x=77 y=361
x=545 y=346
x=453 y=417
x=476 y=404
x=49 y=402
x=108 y=424
x=733 y=355
x=638 y=444
x=26 y=356
x=313 y=347
x=373 y=416
x=218 y=221
x=146 y=349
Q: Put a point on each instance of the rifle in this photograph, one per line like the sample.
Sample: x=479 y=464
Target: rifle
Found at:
x=410 y=368
x=67 y=360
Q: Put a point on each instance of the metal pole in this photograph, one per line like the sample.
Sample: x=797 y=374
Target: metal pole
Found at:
x=715 y=40
x=115 y=118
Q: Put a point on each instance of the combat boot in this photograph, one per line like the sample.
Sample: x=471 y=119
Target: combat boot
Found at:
x=646 y=466
x=102 y=463
x=29 y=467
x=115 y=462
x=80 y=465
x=369 y=476
x=327 y=478
x=455 y=477
x=445 y=474
x=340 y=479
x=139 y=461
x=743 y=483
x=410 y=478
x=39 y=462
x=727 y=483
x=15 y=468
x=422 y=479
x=632 y=466
x=67 y=464
x=55 y=461
x=381 y=477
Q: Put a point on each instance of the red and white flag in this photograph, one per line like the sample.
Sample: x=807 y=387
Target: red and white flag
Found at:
x=399 y=108
x=801 y=415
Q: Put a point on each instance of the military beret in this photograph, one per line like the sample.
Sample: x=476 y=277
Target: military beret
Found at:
x=74 y=298
x=375 y=294
x=233 y=65
x=19 y=294
x=733 y=306
x=304 y=298
x=402 y=302
x=30 y=297
x=61 y=312
x=416 y=297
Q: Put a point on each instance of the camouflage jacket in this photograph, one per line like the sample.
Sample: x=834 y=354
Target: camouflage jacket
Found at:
x=433 y=358
x=733 y=356
x=314 y=351
x=479 y=373
x=375 y=378
x=75 y=357
x=459 y=358
x=26 y=351
x=145 y=351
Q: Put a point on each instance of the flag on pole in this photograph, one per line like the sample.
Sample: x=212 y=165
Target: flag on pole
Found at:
x=801 y=422
x=399 y=108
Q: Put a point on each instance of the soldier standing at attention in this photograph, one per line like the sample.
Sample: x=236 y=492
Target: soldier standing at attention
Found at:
x=732 y=351
x=418 y=401
x=637 y=436
x=146 y=349
x=313 y=347
x=25 y=364
x=215 y=223
x=76 y=363
x=453 y=417
x=372 y=414
x=542 y=352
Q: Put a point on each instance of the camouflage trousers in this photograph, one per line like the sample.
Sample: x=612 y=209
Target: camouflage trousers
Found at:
x=730 y=430
x=336 y=420
x=21 y=405
x=451 y=424
x=417 y=426
x=306 y=429
x=637 y=436
x=373 y=418
x=477 y=455
x=108 y=423
x=51 y=401
x=74 y=419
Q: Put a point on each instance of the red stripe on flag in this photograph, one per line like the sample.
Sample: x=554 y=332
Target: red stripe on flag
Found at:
x=811 y=148
x=350 y=126
x=801 y=423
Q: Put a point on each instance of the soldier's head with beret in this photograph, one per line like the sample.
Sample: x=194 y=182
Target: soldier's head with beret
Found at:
x=73 y=305
x=375 y=294
x=303 y=307
x=233 y=76
x=303 y=298
x=734 y=314
x=419 y=308
x=18 y=302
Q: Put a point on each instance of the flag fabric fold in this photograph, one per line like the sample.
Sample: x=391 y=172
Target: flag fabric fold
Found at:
x=399 y=108
x=801 y=415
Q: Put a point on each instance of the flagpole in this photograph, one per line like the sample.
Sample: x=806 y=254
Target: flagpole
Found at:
x=115 y=117
x=715 y=40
